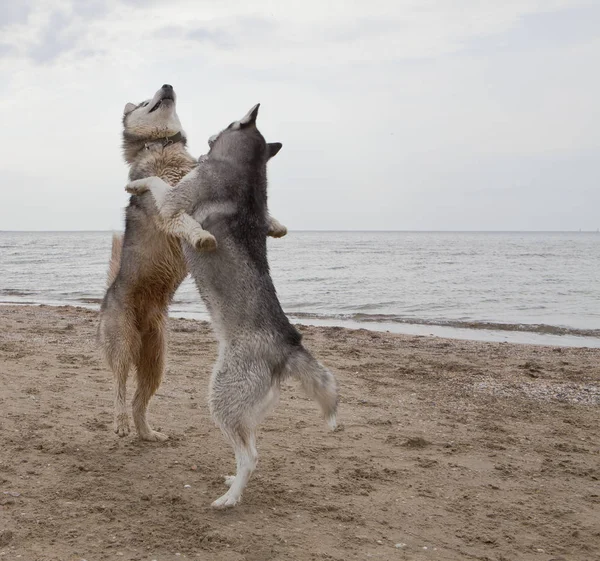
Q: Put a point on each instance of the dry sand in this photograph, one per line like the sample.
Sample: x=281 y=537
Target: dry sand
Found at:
x=447 y=450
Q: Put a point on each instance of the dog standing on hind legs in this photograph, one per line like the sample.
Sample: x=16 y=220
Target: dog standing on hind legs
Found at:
x=147 y=264
x=258 y=346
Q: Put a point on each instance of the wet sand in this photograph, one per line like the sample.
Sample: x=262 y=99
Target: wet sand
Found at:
x=447 y=450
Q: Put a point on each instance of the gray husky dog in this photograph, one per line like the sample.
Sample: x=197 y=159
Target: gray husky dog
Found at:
x=147 y=264
x=258 y=346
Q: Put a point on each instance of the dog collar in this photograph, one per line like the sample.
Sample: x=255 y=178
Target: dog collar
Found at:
x=165 y=141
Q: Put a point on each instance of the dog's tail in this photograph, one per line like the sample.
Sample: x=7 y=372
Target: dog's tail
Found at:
x=317 y=382
x=115 y=259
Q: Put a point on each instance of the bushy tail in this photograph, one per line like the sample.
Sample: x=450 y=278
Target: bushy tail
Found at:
x=317 y=382
x=115 y=258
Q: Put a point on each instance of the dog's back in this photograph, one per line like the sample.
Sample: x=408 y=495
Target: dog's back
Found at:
x=236 y=284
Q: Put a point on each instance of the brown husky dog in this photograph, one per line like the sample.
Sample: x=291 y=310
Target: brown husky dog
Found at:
x=147 y=264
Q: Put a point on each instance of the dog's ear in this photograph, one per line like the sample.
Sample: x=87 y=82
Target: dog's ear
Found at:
x=273 y=148
x=250 y=117
x=129 y=108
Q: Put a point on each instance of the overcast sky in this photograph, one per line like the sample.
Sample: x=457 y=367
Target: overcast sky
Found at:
x=403 y=115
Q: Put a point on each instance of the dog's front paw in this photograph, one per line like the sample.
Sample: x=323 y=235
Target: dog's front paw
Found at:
x=276 y=229
x=205 y=242
x=278 y=232
x=137 y=187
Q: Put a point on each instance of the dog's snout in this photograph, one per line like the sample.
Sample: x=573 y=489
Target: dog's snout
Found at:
x=167 y=87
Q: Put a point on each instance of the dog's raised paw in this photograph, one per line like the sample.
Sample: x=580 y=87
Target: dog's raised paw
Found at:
x=278 y=231
x=136 y=187
x=206 y=243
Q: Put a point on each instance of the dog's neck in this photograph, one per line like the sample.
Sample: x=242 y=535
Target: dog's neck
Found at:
x=177 y=137
x=134 y=146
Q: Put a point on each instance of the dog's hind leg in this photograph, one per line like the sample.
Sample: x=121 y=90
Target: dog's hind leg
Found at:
x=120 y=342
x=239 y=400
x=149 y=368
x=246 y=456
x=121 y=370
x=260 y=412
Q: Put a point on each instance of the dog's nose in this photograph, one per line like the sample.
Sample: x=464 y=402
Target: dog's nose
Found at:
x=167 y=87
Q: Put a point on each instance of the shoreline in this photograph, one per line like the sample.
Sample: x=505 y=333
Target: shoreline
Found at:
x=518 y=337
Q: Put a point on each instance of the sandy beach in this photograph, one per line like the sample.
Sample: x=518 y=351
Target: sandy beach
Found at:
x=447 y=450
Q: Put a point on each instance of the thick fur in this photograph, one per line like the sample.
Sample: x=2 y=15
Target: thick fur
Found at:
x=147 y=264
x=115 y=259
x=258 y=346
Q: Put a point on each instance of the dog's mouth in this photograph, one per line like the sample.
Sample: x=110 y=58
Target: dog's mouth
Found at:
x=168 y=98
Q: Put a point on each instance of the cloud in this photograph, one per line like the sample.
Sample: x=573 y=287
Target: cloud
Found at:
x=265 y=35
x=393 y=111
x=218 y=37
x=235 y=32
x=5 y=49
x=91 y=9
x=143 y=3
x=14 y=12
x=567 y=26
x=42 y=33
x=57 y=38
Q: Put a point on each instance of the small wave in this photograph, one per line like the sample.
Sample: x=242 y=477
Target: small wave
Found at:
x=458 y=324
x=90 y=300
x=79 y=296
x=18 y=302
x=311 y=279
x=15 y=292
